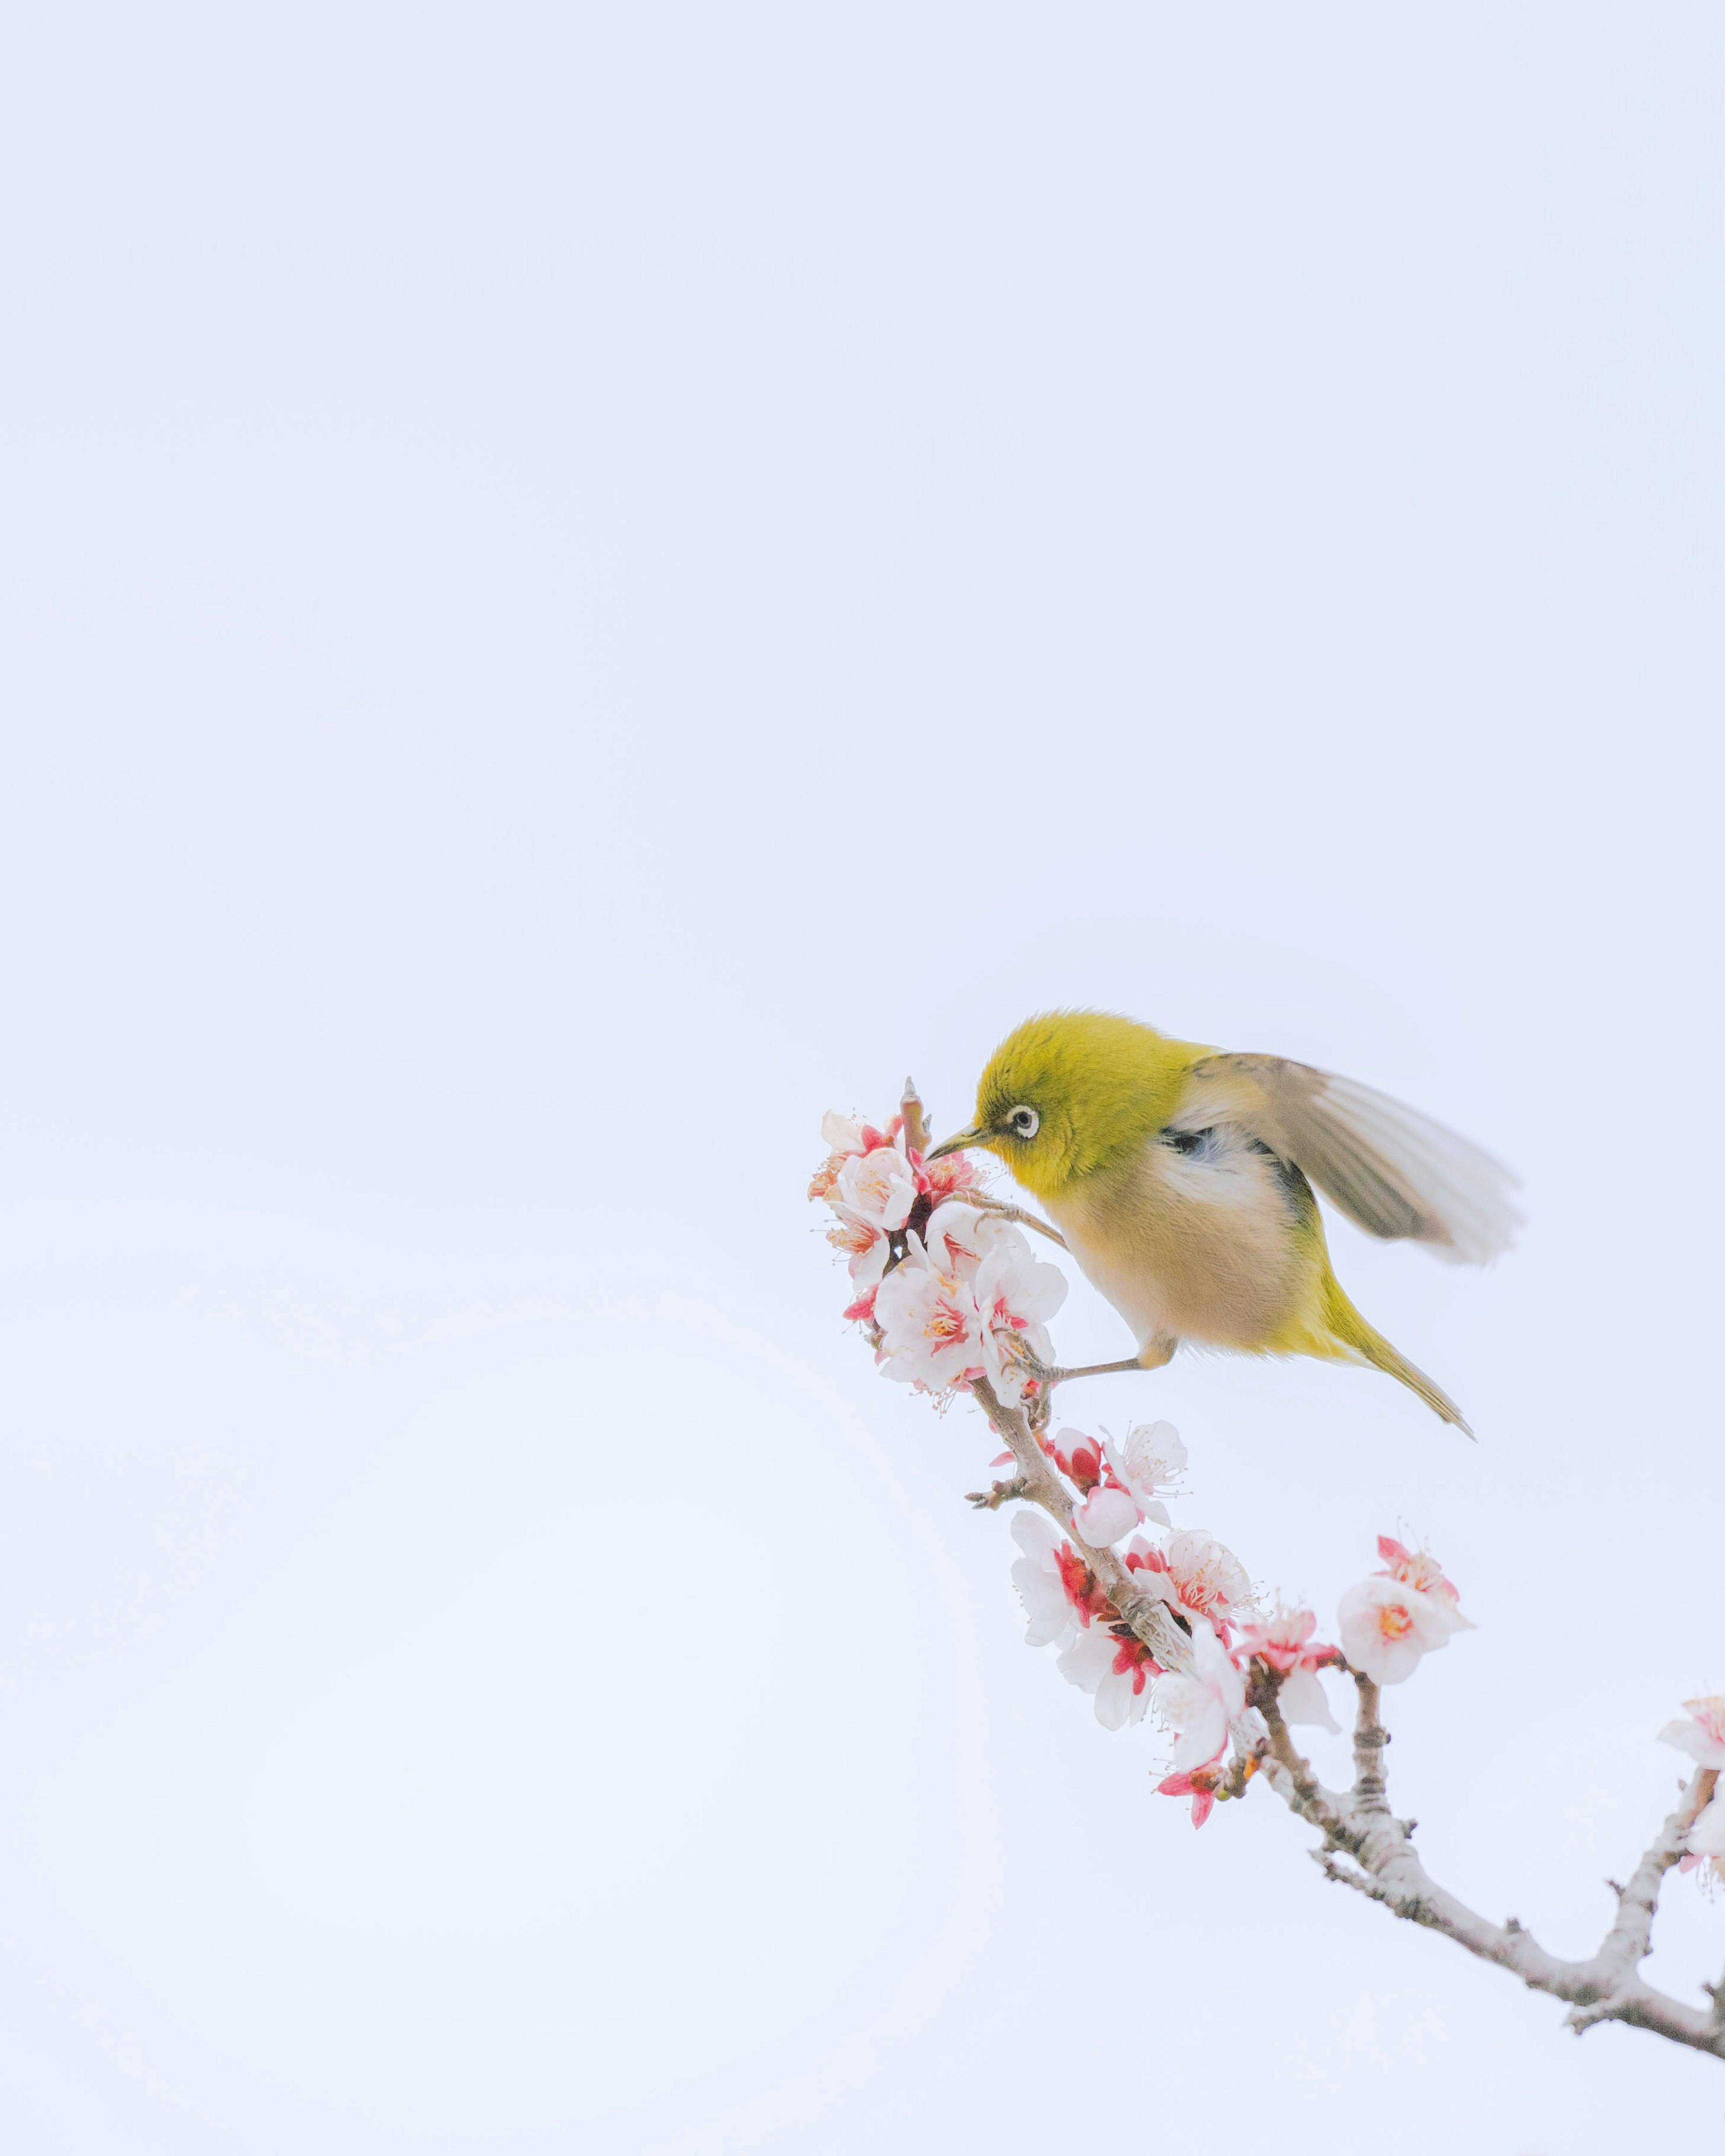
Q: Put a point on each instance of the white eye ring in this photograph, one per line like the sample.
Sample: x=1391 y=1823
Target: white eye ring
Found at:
x=1025 y=1122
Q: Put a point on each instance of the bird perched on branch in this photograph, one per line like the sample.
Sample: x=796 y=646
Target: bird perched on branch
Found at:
x=1182 y=1180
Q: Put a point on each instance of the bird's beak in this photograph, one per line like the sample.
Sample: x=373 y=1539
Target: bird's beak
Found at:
x=957 y=1144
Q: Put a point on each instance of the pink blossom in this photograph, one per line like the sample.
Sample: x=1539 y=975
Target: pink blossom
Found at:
x=930 y=1328
x=955 y=1172
x=1703 y=1737
x=1148 y=1463
x=1116 y=1668
x=1388 y=1628
x=1195 y=1574
x=879 y=1186
x=1058 y=1589
x=1284 y=1642
x=1198 y=1704
x=1420 y=1569
x=1078 y=1457
x=1200 y=1785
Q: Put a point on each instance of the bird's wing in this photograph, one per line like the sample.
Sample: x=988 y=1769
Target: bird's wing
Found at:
x=1394 y=1172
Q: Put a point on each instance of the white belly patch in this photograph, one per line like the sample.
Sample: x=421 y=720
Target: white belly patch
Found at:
x=1200 y=1244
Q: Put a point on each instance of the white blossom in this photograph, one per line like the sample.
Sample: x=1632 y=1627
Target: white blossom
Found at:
x=1014 y=1292
x=864 y=1247
x=1703 y=1736
x=1388 y=1628
x=879 y=1187
x=930 y=1329
x=1116 y=1672
x=1198 y=1704
x=1148 y=1462
x=1106 y=1515
x=1039 y=1581
x=1194 y=1573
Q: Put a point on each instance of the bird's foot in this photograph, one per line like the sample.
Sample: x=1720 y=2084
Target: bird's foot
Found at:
x=1047 y=1375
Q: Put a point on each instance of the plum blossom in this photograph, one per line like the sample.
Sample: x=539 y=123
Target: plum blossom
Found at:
x=1284 y=1642
x=1106 y=1514
x=1198 y=1704
x=1116 y=1668
x=1118 y=1480
x=1386 y=1628
x=1200 y=1785
x=956 y=1172
x=1148 y=1463
x=1194 y=1574
x=864 y=1247
x=1058 y=1589
x=1419 y=1568
x=1703 y=1736
x=1078 y=1457
x=930 y=1330
x=1014 y=1292
x=879 y=1186
x=956 y=1236
x=846 y=1138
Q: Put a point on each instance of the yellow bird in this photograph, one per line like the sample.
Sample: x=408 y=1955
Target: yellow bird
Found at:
x=1182 y=1182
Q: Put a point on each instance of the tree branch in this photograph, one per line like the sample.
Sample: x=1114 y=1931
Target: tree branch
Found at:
x=1364 y=1846
x=1148 y=1618
x=1383 y=1865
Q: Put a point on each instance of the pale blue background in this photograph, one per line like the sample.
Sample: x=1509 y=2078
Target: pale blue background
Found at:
x=582 y=585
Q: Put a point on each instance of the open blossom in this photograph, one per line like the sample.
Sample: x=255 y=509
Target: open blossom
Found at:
x=1114 y=1668
x=879 y=1186
x=864 y=1247
x=844 y=1138
x=1118 y=1480
x=1388 y=1628
x=1148 y=1463
x=957 y=1236
x=1194 y=1574
x=1198 y=1704
x=1014 y=1292
x=1284 y=1642
x=930 y=1326
x=954 y=1173
x=1419 y=1568
x=1058 y=1589
x=1703 y=1736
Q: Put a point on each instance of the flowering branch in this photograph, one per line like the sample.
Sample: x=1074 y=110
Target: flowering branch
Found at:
x=952 y=1302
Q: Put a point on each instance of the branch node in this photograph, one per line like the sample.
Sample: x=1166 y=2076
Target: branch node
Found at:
x=997 y=1494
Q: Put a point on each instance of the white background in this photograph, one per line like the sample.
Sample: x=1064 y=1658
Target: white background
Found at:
x=582 y=585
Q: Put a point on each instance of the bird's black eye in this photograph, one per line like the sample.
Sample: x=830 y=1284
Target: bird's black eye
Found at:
x=1023 y=1123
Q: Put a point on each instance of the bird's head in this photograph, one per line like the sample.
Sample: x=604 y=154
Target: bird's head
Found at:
x=1069 y=1093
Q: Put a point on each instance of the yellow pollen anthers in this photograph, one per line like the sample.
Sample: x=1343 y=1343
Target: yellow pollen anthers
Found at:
x=946 y=1322
x=1394 y=1620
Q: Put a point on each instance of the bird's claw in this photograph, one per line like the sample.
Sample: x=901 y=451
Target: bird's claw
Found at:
x=1032 y=1366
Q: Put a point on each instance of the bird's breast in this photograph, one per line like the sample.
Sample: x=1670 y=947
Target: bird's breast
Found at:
x=1204 y=1235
